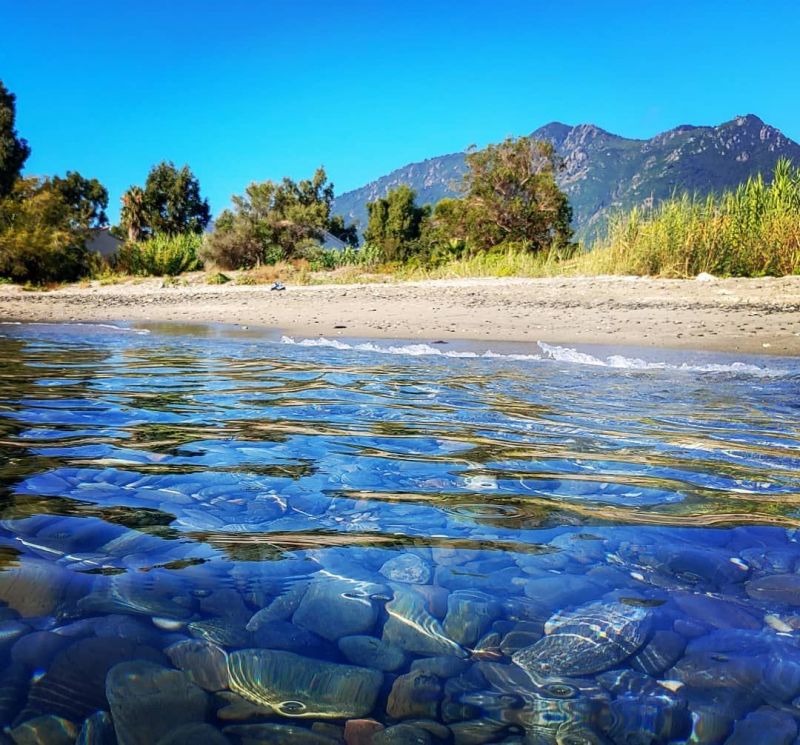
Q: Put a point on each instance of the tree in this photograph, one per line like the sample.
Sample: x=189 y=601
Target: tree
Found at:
x=39 y=241
x=511 y=196
x=169 y=204
x=13 y=150
x=346 y=233
x=272 y=221
x=86 y=198
x=395 y=222
x=132 y=216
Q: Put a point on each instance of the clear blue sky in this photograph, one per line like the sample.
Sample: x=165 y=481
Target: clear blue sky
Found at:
x=248 y=90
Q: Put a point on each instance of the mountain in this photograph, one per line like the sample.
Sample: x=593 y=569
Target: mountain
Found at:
x=604 y=172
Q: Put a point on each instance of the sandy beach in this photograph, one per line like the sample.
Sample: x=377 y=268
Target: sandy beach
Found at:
x=733 y=315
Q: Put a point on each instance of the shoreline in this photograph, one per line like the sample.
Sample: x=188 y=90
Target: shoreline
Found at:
x=751 y=316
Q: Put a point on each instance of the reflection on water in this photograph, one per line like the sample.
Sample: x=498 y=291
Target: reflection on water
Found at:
x=228 y=540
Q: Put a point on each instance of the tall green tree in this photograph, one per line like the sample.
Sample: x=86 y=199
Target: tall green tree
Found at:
x=172 y=201
x=39 y=238
x=14 y=151
x=395 y=222
x=272 y=221
x=87 y=199
x=511 y=196
x=133 y=218
x=169 y=204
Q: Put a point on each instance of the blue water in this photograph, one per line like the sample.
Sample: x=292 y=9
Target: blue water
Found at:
x=211 y=535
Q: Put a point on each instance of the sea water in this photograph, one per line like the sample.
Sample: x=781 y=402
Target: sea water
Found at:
x=222 y=537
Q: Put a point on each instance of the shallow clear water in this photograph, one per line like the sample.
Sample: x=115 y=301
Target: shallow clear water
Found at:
x=218 y=537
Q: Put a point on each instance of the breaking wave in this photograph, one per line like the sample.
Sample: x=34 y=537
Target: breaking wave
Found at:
x=548 y=352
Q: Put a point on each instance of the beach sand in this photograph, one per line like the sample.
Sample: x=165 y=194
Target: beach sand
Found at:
x=732 y=315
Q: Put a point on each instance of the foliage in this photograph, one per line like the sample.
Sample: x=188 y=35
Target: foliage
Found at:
x=86 y=198
x=750 y=231
x=14 y=151
x=395 y=224
x=133 y=216
x=162 y=255
x=511 y=195
x=39 y=241
x=274 y=222
x=346 y=233
x=169 y=204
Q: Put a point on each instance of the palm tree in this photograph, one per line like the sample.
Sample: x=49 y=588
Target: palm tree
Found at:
x=132 y=216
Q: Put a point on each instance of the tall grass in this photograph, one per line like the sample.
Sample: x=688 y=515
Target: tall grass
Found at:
x=509 y=262
x=162 y=255
x=753 y=230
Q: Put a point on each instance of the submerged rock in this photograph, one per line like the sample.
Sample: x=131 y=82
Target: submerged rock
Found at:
x=234 y=708
x=707 y=671
x=46 y=730
x=194 y=734
x=588 y=640
x=98 y=729
x=14 y=681
x=219 y=631
x=441 y=667
x=34 y=587
x=361 y=731
x=74 y=686
x=280 y=608
x=276 y=734
x=776 y=588
x=296 y=686
x=469 y=615
x=149 y=701
x=660 y=653
x=411 y=627
x=368 y=651
x=408 y=568
x=204 y=662
x=336 y=608
x=716 y=612
x=37 y=650
x=414 y=695
x=402 y=734
x=765 y=726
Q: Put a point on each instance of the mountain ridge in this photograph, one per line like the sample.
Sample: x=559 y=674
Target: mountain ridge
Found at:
x=604 y=172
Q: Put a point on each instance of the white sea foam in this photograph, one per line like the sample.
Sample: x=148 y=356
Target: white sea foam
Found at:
x=550 y=352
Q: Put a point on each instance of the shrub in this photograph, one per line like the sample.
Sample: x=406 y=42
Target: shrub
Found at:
x=163 y=255
x=218 y=279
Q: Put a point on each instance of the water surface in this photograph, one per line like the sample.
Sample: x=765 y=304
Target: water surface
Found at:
x=219 y=537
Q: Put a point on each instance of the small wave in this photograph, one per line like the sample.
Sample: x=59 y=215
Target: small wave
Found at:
x=618 y=361
x=413 y=350
x=550 y=352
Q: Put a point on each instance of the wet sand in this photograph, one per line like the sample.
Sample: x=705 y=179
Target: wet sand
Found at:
x=731 y=315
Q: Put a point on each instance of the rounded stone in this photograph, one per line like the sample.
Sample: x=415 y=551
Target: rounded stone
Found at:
x=368 y=651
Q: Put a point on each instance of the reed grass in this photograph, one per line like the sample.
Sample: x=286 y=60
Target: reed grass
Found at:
x=751 y=231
